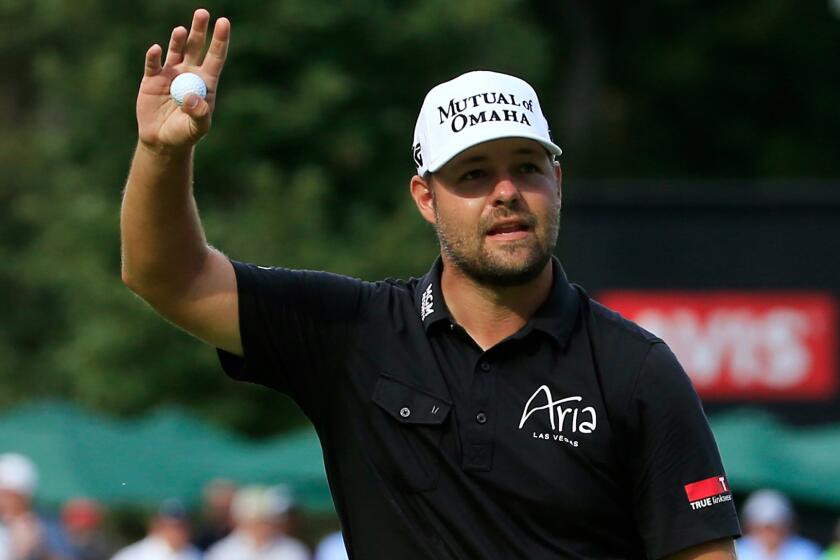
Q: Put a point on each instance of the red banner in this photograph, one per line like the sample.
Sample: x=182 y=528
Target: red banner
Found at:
x=738 y=345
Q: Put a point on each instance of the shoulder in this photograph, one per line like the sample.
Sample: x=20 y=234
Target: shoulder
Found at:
x=131 y=552
x=620 y=347
x=614 y=325
x=637 y=363
x=289 y=548
x=331 y=546
x=222 y=548
x=802 y=548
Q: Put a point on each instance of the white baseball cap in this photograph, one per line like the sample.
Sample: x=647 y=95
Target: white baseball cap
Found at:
x=257 y=502
x=473 y=108
x=767 y=507
x=18 y=474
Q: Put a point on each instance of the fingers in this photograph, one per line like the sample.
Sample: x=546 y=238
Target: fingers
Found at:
x=175 y=54
x=153 y=61
x=197 y=38
x=217 y=53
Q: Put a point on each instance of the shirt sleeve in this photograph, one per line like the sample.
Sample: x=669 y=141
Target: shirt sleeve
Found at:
x=295 y=325
x=682 y=496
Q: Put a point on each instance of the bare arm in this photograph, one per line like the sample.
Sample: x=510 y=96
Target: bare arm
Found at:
x=165 y=257
x=723 y=549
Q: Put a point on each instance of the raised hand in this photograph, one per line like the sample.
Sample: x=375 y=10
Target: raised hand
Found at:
x=162 y=125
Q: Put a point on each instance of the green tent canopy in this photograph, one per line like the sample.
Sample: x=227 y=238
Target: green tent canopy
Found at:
x=761 y=452
x=165 y=454
x=170 y=453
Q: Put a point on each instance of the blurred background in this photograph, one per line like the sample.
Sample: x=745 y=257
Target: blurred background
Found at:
x=701 y=198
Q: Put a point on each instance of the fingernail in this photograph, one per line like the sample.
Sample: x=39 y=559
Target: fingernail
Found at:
x=192 y=101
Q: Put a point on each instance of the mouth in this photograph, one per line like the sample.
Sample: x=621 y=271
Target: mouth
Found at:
x=509 y=230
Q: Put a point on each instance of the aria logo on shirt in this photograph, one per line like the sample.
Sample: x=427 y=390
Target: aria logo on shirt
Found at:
x=565 y=416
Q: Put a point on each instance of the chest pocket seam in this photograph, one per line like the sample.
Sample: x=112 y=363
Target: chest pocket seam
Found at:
x=407 y=404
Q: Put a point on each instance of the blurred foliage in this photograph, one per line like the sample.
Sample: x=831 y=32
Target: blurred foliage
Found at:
x=308 y=161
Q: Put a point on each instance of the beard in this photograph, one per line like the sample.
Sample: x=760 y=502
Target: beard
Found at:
x=513 y=263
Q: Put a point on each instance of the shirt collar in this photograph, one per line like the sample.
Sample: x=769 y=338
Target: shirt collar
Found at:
x=556 y=316
x=429 y=298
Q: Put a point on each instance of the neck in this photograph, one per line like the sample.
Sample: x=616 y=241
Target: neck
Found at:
x=490 y=314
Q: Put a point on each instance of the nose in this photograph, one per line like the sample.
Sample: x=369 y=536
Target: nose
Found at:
x=506 y=192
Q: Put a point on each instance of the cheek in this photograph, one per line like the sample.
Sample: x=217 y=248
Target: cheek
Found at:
x=458 y=213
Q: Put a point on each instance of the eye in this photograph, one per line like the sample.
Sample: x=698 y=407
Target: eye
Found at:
x=472 y=175
x=529 y=168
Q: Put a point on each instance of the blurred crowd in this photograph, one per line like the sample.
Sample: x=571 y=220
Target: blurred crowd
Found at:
x=249 y=522
x=253 y=522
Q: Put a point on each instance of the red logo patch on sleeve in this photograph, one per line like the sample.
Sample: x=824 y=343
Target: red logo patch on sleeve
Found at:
x=710 y=491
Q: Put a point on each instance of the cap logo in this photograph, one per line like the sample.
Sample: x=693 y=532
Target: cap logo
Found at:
x=417 y=155
x=454 y=111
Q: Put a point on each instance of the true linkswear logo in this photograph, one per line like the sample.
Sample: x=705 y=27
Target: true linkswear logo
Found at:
x=495 y=107
x=565 y=416
x=708 y=492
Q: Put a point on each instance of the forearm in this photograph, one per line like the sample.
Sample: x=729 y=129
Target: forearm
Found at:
x=163 y=244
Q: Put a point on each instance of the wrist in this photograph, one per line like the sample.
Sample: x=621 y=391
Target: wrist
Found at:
x=161 y=151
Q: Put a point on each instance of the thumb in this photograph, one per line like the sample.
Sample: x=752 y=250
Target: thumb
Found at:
x=195 y=107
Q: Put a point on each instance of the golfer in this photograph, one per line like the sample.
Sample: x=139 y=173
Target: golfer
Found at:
x=486 y=410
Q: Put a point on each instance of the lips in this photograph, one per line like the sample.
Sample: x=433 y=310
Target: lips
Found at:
x=508 y=226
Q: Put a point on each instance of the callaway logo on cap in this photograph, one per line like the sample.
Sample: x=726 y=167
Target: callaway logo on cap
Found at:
x=473 y=108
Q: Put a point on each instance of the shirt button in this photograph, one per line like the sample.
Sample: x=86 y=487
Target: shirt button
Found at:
x=405 y=412
x=481 y=418
x=485 y=366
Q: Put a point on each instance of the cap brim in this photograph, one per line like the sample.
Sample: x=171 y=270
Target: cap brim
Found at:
x=449 y=155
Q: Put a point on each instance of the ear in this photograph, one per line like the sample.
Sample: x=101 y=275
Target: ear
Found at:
x=421 y=192
x=558 y=174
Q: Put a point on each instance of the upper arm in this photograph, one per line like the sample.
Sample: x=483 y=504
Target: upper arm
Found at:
x=681 y=494
x=208 y=308
x=723 y=549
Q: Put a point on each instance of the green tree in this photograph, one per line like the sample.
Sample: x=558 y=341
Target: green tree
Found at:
x=309 y=157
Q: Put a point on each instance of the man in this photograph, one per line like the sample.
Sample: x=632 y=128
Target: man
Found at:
x=489 y=410
x=261 y=515
x=27 y=535
x=769 y=522
x=82 y=521
x=168 y=538
x=216 y=522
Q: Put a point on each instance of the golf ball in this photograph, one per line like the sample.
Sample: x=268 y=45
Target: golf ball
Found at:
x=187 y=83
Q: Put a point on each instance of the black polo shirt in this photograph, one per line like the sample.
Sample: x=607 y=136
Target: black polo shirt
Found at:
x=579 y=436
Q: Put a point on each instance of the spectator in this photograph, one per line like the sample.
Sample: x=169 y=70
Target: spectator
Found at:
x=215 y=523
x=261 y=517
x=833 y=551
x=168 y=539
x=769 y=530
x=26 y=533
x=332 y=547
x=82 y=519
